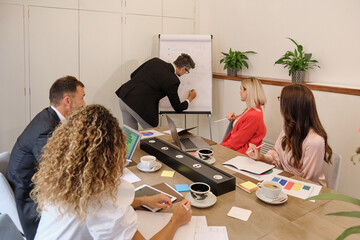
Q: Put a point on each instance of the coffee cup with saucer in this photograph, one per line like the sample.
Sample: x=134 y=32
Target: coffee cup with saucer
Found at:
x=206 y=155
x=271 y=192
x=148 y=164
x=200 y=195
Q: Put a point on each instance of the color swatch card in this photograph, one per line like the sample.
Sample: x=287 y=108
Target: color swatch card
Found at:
x=296 y=188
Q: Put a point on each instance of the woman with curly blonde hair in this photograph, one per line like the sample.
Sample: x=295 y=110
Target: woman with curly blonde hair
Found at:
x=78 y=190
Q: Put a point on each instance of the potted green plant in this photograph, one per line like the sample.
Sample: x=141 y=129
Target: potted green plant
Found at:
x=297 y=62
x=234 y=61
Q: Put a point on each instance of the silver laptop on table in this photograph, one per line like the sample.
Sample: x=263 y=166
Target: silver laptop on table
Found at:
x=188 y=144
x=132 y=138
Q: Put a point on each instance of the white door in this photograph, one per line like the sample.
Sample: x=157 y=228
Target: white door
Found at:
x=181 y=9
x=53 y=51
x=183 y=26
x=12 y=75
x=143 y=7
x=140 y=41
x=100 y=57
x=103 y=5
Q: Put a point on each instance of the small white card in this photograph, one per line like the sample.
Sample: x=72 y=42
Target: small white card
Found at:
x=240 y=213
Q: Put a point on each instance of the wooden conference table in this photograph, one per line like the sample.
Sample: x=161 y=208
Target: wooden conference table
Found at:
x=295 y=219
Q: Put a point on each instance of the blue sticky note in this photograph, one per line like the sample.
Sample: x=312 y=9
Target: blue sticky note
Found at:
x=182 y=187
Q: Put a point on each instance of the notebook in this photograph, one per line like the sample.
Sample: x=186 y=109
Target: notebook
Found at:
x=132 y=140
x=242 y=163
x=188 y=144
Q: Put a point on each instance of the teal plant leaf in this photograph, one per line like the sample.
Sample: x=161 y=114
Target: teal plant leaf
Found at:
x=344 y=198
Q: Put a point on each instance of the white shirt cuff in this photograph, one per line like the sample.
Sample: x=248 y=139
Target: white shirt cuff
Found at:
x=188 y=102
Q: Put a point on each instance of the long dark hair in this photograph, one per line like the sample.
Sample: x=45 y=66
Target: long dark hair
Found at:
x=298 y=108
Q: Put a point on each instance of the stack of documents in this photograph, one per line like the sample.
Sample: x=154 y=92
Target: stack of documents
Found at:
x=151 y=223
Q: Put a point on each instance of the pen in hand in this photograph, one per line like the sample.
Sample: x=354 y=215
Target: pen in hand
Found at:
x=186 y=208
x=251 y=150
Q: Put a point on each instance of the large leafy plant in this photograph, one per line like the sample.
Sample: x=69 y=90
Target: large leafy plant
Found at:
x=297 y=60
x=344 y=198
x=235 y=59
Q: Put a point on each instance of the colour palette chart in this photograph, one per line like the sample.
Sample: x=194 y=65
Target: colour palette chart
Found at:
x=150 y=133
x=296 y=188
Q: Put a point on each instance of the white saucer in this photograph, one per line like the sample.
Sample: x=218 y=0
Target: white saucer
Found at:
x=156 y=167
x=272 y=201
x=208 y=202
x=211 y=160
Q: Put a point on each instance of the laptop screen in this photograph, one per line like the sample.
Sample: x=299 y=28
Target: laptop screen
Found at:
x=173 y=131
x=132 y=139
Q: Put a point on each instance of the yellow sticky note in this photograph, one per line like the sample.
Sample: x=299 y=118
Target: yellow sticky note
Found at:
x=297 y=187
x=167 y=173
x=248 y=185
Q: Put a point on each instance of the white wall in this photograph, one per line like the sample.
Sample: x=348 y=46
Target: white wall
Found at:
x=328 y=29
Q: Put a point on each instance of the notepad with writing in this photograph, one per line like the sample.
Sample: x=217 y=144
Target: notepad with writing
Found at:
x=241 y=163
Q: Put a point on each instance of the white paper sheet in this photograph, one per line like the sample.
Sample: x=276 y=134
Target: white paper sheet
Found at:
x=129 y=176
x=211 y=233
x=177 y=129
x=151 y=223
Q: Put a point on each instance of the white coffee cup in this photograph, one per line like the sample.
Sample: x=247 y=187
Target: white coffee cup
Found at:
x=205 y=153
x=270 y=189
x=148 y=162
x=199 y=191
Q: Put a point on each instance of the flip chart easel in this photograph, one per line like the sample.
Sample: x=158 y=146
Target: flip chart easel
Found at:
x=199 y=47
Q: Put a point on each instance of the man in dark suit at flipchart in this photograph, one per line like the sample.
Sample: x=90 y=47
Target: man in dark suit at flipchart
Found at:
x=66 y=94
x=153 y=80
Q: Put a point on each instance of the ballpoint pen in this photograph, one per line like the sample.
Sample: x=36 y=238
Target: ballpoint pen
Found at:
x=187 y=209
x=249 y=151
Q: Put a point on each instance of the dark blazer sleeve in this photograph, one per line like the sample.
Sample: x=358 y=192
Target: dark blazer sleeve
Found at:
x=40 y=143
x=172 y=94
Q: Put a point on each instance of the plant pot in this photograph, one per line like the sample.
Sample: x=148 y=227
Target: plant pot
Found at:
x=232 y=72
x=298 y=76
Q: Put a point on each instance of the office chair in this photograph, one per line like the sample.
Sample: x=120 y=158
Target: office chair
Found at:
x=332 y=171
x=8 y=204
x=4 y=161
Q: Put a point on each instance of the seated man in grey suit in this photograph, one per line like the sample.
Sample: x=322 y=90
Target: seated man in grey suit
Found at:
x=66 y=95
x=153 y=80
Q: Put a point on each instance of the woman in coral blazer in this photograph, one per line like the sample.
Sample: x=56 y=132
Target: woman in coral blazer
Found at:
x=249 y=126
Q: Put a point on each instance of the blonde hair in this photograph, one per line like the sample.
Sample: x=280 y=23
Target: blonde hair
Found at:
x=81 y=163
x=255 y=92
